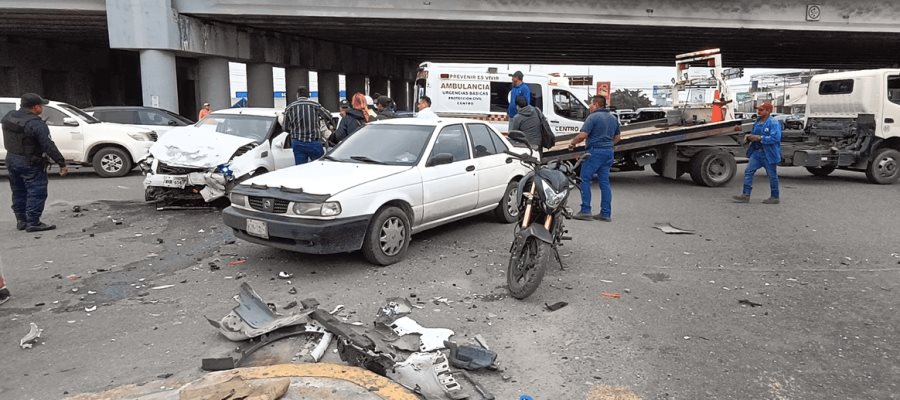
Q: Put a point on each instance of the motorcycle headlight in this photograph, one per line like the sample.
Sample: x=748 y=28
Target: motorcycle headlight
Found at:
x=140 y=136
x=552 y=198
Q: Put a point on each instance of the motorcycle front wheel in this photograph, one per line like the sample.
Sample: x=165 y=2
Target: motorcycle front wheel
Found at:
x=526 y=267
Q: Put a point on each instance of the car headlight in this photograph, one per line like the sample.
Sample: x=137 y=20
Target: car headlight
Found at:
x=238 y=200
x=552 y=198
x=328 y=209
x=140 y=136
x=331 y=208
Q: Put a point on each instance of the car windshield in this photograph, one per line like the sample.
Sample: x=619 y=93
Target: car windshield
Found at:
x=248 y=126
x=81 y=114
x=384 y=144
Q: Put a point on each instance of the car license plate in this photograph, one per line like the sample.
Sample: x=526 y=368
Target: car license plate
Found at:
x=258 y=228
x=175 y=181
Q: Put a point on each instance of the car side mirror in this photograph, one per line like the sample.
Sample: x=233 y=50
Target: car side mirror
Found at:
x=68 y=121
x=439 y=159
x=172 y=123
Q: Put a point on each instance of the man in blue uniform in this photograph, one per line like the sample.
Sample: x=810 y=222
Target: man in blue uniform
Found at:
x=601 y=130
x=519 y=88
x=764 y=152
x=27 y=141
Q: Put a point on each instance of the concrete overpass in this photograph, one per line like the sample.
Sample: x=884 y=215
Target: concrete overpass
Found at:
x=382 y=42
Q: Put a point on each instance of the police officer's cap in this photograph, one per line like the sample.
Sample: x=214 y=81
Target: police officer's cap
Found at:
x=29 y=100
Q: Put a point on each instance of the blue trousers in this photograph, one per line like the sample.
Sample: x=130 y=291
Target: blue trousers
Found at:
x=305 y=152
x=599 y=163
x=28 y=181
x=757 y=161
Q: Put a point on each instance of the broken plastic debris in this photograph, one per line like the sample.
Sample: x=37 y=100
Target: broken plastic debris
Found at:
x=749 y=303
x=33 y=334
x=611 y=295
x=90 y=309
x=671 y=230
x=432 y=338
x=284 y=275
x=555 y=306
x=162 y=287
x=236 y=262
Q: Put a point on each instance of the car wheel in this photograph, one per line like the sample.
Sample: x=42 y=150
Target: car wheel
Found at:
x=387 y=237
x=884 y=167
x=507 y=210
x=112 y=162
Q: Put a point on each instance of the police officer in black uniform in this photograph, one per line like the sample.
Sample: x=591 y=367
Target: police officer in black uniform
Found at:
x=28 y=145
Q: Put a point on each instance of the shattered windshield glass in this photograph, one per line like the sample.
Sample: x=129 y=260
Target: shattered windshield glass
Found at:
x=385 y=144
x=249 y=126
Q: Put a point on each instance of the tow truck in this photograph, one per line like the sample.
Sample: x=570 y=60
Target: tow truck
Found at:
x=687 y=140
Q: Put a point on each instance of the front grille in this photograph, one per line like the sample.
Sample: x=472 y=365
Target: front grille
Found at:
x=164 y=169
x=153 y=136
x=277 y=206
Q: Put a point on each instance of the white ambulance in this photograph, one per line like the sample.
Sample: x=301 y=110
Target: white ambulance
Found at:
x=483 y=93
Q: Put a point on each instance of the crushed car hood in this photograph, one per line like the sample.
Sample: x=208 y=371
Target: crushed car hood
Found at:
x=326 y=177
x=196 y=147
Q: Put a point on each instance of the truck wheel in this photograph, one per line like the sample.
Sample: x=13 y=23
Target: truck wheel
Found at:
x=387 y=237
x=885 y=167
x=712 y=168
x=680 y=170
x=820 y=171
x=111 y=162
x=507 y=210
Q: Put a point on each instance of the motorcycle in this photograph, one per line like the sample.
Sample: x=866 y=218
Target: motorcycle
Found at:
x=540 y=230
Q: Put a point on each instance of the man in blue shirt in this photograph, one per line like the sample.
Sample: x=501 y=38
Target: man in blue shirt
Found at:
x=764 y=152
x=601 y=130
x=519 y=88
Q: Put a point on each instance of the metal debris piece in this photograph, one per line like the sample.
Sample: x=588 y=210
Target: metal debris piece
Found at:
x=671 y=230
x=749 y=303
x=33 y=334
x=432 y=338
x=242 y=352
x=555 y=306
x=355 y=346
x=395 y=307
x=470 y=357
x=429 y=375
x=162 y=287
x=252 y=317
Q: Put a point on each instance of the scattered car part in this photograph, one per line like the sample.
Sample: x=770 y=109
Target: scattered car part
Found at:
x=432 y=338
x=470 y=357
x=358 y=349
x=481 y=341
x=671 y=230
x=749 y=303
x=252 y=317
x=243 y=351
x=429 y=375
x=395 y=307
x=33 y=334
x=284 y=275
x=555 y=306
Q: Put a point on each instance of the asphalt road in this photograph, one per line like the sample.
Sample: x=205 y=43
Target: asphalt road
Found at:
x=823 y=266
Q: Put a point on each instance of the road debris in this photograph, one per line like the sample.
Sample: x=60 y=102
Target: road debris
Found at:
x=162 y=287
x=292 y=291
x=555 y=306
x=749 y=303
x=252 y=317
x=432 y=338
x=611 y=295
x=33 y=334
x=470 y=357
x=90 y=309
x=237 y=262
x=285 y=275
x=668 y=229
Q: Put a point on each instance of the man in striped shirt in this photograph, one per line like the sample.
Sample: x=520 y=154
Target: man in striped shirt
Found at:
x=301 y=120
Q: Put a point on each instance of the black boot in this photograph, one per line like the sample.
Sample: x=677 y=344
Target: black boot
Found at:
x=40 y=227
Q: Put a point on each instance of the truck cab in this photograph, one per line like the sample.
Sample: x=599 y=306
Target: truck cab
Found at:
x=852 y=123
x=483 y=93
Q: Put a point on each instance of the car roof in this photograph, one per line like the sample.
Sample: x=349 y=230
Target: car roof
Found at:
x=429 y=121
x=257 y=111
x=102 y=108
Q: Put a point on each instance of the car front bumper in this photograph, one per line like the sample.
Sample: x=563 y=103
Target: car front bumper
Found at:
x=301 y=235
x=209 y=185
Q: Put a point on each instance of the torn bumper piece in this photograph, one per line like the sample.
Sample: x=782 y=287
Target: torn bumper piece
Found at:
x=212 y=184
x=242 y=352
x=252 y=317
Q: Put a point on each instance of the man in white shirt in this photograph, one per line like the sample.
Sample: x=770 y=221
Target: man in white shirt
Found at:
x=425 y=108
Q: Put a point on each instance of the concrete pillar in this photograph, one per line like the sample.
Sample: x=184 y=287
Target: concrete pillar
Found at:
x=260 y=85
x=355 y=83
x=159 y=81
x=378 y=84
x=329 y=87
x=293 y=78
x=215 y=86
x=398 y=94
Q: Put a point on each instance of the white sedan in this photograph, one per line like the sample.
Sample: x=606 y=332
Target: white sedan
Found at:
x=387 y=181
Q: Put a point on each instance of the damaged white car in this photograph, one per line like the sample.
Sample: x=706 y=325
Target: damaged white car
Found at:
x=207 y=159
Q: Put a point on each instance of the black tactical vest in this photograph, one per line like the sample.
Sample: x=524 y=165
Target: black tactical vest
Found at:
x=15 y=139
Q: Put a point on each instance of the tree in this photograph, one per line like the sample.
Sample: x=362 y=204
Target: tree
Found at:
x=633 y=99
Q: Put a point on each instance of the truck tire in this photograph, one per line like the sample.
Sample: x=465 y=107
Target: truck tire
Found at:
x=110 y=162
x=387 y=237
x=680 y=170
x=820 y=171
x=712 y=167
x=884 y=168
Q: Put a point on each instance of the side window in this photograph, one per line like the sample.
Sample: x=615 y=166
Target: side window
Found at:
x=842 y=86
x=152 y=118
x=6 y=108
x=117 y=116
x=566 y=105
x=482 y=144
x=53 y=117
x=452 y=140
x=893 y=89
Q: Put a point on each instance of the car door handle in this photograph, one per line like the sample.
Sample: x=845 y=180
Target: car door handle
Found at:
x=889 y=120
x=470 y=168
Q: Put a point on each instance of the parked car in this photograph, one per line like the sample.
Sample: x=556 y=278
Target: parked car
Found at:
x=112 y=149
x=156 y=119
x=206 y=159
x=796 y=121
x=387 y=181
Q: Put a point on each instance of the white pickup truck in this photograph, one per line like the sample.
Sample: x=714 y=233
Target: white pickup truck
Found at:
x=112 y=149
